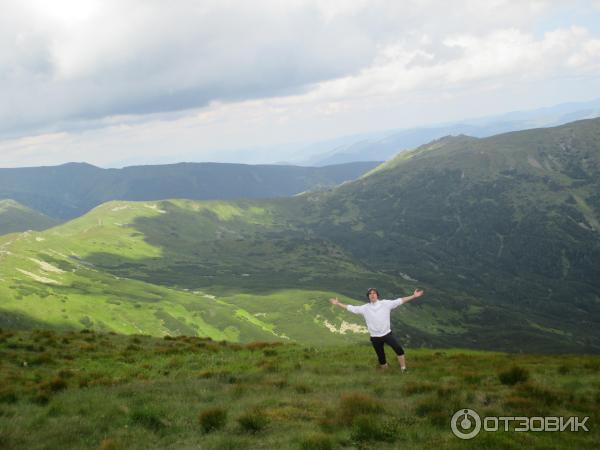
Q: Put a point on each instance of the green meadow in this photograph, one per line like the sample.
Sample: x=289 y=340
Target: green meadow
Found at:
x=180 y=268
x=92 y=390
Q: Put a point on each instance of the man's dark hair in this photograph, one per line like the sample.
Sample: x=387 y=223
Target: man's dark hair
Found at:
x=372 y=290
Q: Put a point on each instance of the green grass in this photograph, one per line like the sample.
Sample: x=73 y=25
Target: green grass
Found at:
x=72 y=390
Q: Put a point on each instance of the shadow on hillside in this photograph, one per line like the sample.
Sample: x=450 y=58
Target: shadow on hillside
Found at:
x=201 y=250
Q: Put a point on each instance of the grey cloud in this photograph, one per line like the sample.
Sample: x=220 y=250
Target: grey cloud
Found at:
x=172 y=59
x=147 y=56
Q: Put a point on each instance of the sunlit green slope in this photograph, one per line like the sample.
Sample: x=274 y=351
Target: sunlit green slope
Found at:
x=101 y=271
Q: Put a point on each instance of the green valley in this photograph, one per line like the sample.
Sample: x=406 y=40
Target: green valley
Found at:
x=501 y=232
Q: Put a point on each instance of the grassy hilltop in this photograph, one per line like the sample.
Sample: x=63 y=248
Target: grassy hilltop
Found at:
x=73 y=390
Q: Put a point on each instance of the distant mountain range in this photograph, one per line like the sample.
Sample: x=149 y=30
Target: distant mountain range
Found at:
x=382 y=146
x=503 y=233
x=67 y=191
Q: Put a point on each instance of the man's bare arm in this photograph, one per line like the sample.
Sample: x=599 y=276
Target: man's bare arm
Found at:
x=336 y=302
x=418 y=293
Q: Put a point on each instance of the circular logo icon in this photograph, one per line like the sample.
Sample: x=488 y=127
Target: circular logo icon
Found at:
x=466 y=424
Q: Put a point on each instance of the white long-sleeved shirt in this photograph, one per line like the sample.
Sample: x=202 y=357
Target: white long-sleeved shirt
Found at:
x=377 y=315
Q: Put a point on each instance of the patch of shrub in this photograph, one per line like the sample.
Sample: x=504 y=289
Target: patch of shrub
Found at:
x=212 y=419
x=87 y=347
x=166 y=351
x=317 y=442
x=42 y=358
x=369 y=428
x=513 y=376
x=46 y=389
x=109 y=444
x=302 y=388
x=148 y=419
x=472 y=377
x=417 y=387
x=429 y=406
x=65 y=373
x=269 y=366
x=215 y=373
x=540 y=394
x=445 y=391
x=235 y=346
x=8 y=395
x=259 y=345
x=253 y=421
x=519 y=405
x=41 y=397
x=439 y=419
x=563 y=370
x=353 y=405
x=278 y=383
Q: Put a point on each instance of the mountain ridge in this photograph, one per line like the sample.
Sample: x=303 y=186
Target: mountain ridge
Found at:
x=69 y=190
x=497 y=240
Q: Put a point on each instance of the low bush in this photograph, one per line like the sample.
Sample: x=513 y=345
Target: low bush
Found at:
x=212 y=419
x=352 y=405
x=369 y=428
x=513 y=376
x=317 y=442
x=253 y=421
x=148 y=419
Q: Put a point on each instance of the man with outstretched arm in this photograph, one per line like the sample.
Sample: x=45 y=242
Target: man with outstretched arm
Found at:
x=377 y=315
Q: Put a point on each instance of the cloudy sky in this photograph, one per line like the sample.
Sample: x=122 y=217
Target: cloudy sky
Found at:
x=116 y=82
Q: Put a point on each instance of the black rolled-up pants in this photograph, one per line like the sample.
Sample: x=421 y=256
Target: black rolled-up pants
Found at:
x=388 y=339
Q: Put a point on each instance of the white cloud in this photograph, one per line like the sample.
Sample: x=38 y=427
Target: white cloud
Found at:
x=499 y=55
x=144 y=74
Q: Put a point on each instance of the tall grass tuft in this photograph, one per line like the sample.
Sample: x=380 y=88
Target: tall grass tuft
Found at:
x=352 y=405
x=513 y=376
x=370 y=428
x=148 y=419
x=317 y=442
x=212 y=419
x=253 y=420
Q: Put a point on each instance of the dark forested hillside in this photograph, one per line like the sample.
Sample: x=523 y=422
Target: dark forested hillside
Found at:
x=513 y=220
x=67 y=191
